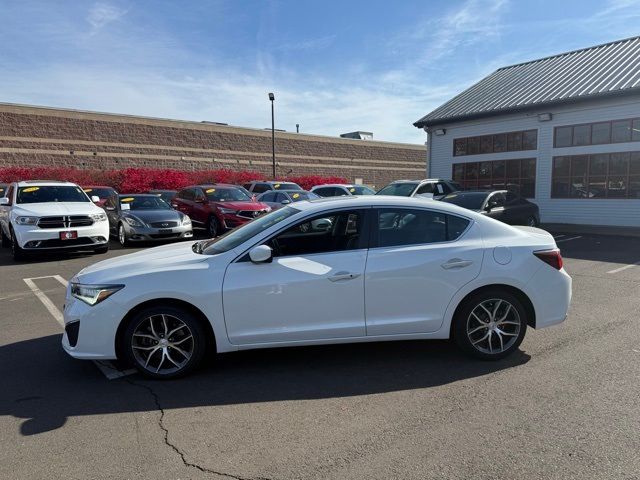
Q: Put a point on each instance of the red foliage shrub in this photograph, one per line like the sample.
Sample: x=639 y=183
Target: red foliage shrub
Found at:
x=137 y=180
x=308 y=181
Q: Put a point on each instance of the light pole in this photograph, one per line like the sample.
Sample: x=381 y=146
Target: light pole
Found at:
x=273 y=137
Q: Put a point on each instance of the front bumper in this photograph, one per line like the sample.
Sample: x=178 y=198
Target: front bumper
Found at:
x=94 y=328
x=231 y=220
x=33 y=238
x=150 y=234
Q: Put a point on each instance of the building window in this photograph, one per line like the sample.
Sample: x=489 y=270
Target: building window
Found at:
x=500 y=142
x=600 y=133
x=516 y=174
x=602 y=175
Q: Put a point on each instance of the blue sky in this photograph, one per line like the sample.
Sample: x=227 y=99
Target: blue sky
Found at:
x=334 y=66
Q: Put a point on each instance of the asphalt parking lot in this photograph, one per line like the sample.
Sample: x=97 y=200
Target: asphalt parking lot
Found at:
x=565 y=406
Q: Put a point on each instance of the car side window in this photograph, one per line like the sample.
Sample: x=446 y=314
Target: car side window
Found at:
x=186 y=194
x=426 y=188
x=198 y=194
x=497 y=199
x=442 y=188
x=260 y=187
x=281 y=197
x=403 y=226
x=324 y=192
x=268 y=197
x=330 y=232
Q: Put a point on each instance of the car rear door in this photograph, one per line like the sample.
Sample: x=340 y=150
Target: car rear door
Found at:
x=312 y=290
x=418 y=259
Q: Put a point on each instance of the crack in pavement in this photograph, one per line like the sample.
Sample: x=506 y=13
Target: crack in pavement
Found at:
x=175 y=448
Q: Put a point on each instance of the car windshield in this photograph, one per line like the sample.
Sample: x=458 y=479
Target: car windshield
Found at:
x=166 y=195
x=238 y=236
x=398 y=189
x=286 y=186
x=99 y=192
x=298 y=196
x=362 y=190
x=143 y=202
x=51 y=193
x=215 y=194
x=470 y=200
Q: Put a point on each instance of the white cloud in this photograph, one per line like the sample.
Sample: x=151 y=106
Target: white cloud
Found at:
x=102 y=13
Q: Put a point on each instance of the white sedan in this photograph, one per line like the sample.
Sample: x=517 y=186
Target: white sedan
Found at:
x=388 y=268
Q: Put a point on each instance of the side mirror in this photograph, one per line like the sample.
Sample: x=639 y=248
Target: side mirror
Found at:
x=4 y=201
x=95 y=198
x=285 y=202
x=261 y=254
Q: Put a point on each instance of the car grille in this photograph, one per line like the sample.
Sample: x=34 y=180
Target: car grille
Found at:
x=250 y=213
x=163 y=224
x=164 y=235
x=65 y=221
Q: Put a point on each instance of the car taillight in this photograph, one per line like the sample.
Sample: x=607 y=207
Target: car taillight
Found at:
x=550 y=257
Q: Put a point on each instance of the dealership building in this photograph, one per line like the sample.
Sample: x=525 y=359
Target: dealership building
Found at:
x=38 y=136
x=563 y=130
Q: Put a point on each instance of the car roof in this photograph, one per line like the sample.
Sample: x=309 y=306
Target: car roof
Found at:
x=424 y=180
x=45 y=183
x=214 y=185
x=137 y=195
x=161 y=190
x=464 y=192
x=97 y=186
x=346 y=185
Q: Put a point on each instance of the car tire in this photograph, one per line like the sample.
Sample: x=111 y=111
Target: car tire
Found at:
x=6 y=241
x=122 y=236
x=157 y=353
x=532 y=221
x=102 y=249
x=213 y=227
x=490 y=325
x=18 y=253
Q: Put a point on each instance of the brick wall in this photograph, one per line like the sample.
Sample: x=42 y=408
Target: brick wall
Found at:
x=34 y=136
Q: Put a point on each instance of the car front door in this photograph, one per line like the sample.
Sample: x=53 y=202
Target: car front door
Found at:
x=313 y=289
x=418 y=259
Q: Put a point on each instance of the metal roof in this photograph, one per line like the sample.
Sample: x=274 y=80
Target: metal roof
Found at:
x=607 y=69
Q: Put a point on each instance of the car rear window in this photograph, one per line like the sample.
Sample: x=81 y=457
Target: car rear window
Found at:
x=472 y=201
x=398 y=189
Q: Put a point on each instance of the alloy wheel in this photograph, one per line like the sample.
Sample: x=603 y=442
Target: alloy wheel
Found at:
x=162 y=344
x=493 y=326
x=122 y=236
x=213 y=227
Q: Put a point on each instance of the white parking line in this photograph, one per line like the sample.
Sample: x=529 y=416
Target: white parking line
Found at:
x=53 y=310
x=631 y=265
x=568 y=239
x=106 y=367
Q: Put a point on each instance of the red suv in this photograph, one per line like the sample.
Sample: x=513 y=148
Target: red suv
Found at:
x=218 y=207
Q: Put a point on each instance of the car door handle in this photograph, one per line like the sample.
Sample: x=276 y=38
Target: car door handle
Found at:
x=343 y=276
x=456 y=263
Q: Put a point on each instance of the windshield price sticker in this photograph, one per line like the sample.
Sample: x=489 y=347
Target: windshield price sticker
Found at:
x=211 y=190
x=30 y=189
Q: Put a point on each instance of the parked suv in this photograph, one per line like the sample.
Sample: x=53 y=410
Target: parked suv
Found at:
x=260 y=187
x=218 y=207
x=341 y=189
x=435 y=187
x=46 y=215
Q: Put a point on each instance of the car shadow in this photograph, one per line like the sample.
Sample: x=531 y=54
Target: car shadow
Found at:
x=45 y=387
x=601 y=248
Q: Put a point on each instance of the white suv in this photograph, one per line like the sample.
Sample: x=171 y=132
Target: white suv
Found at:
x=47 y=215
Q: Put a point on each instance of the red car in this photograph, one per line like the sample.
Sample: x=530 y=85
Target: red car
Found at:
x=218 y=207
x=101 y=191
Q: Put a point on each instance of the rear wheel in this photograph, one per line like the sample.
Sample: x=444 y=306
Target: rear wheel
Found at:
x=164 y=342
x=18 y=253
x=490 y=325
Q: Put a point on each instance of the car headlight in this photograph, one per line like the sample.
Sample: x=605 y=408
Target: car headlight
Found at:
x=93 y=294
x=228 y=211
x=98 y=217
x=27 y=220
x=133 y=222
x=186 y=220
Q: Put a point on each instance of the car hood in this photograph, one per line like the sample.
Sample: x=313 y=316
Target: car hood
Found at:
x=152 y=260
x=155 y=215
x=57 y=208
x=252 y=206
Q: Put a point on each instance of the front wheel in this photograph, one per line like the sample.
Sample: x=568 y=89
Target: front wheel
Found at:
x=213 y=227
x=164 y=342
x=122 y=236
x=18 y=253
x=490 y=325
